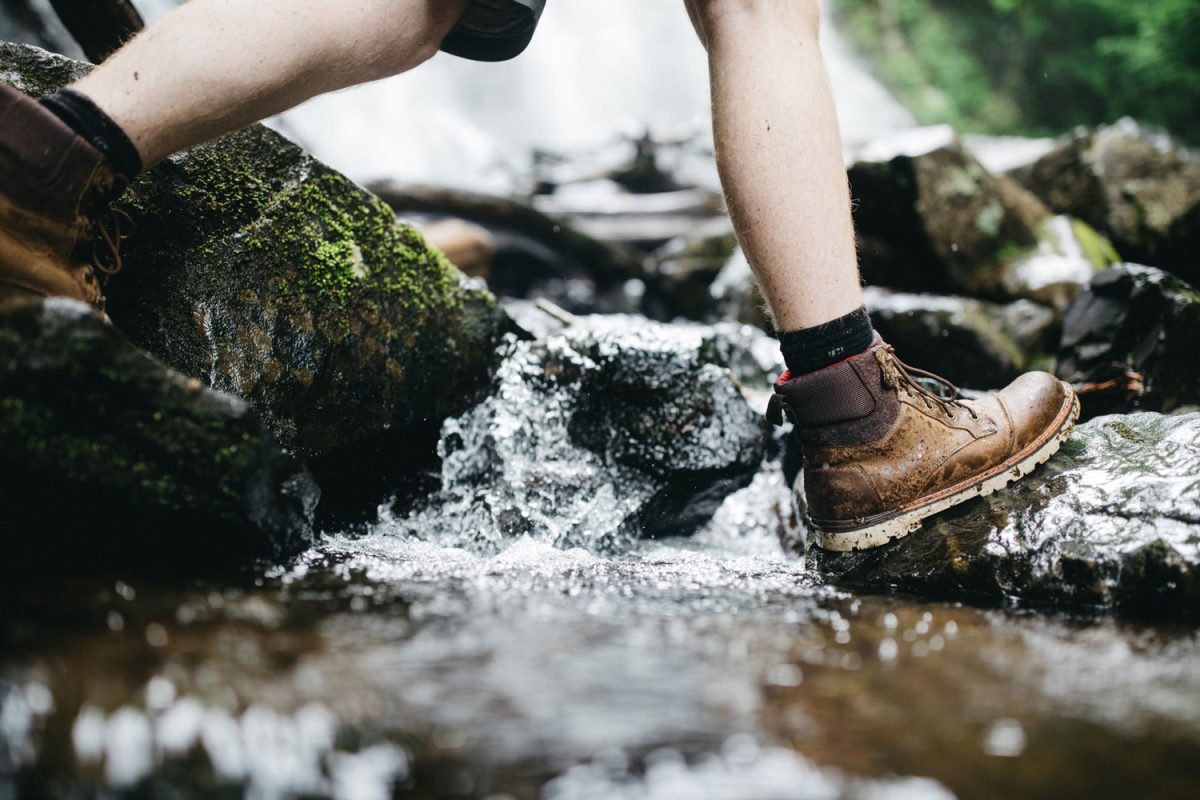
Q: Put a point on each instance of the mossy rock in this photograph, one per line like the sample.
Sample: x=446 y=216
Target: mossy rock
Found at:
x=111 y=461
x=1135 y=186
x=931 y=218
x=1110 y=524
x=36 y=71
x=262 y=272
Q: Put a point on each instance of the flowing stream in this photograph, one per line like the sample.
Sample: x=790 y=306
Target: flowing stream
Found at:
x=424 y=664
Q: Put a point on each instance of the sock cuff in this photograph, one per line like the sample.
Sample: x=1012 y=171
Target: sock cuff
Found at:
x=89 y=121
x=811 y=349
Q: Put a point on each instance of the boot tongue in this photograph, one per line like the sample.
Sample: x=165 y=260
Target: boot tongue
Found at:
x=775 y=409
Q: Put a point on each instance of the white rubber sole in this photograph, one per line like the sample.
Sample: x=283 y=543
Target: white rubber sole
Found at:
x=897 y=527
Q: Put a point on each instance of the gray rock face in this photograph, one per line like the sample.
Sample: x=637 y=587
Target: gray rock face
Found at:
x=112 y=461
x=931 y=218
x=972 y=343
x=1140 y=189
x=1111 y=523
x=1134 y=318
x=264 y=273
x=610 y=429
x=35 y=71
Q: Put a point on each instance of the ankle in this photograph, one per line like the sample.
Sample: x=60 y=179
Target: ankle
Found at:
x=820 y=346
x=87 y=119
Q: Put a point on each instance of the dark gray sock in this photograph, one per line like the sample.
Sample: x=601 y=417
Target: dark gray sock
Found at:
x=811 y=349
x=89 y=121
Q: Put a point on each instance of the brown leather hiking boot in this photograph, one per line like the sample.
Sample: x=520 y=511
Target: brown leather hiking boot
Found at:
x=882 y=451
x=56 y=230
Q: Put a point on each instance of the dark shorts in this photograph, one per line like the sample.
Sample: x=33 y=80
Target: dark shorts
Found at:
x=494 y=30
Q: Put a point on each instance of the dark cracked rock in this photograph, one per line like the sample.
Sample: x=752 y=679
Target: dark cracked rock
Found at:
x=1133 y=320
x=260 y=271
x=1112 y=523
x=111 y=461
x=611 y=429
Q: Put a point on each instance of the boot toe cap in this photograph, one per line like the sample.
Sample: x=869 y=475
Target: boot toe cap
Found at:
x=1036 y=402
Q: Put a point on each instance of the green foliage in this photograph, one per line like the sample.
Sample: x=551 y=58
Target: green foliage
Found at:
x=1037 y=66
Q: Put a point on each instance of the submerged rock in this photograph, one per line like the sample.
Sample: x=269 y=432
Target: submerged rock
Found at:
x=112 y=461
x=970 y=342
x=931 y=218
x=612 y=428
x=1134 y=319
x=1139 y=188
x=264 y=273
x=1111 y=523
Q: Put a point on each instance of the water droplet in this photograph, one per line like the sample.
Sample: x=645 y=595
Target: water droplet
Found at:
x=156 y=635
x=1004 y=738
x=160 y=693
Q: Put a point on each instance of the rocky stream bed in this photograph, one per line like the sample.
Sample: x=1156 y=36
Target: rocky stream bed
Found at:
x=320 y=516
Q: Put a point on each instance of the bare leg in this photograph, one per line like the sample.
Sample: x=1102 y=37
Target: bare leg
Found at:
x=213 y=66
x=779 y=154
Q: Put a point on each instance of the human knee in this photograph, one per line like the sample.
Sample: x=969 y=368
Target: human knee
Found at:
x=439 y=19
x=718 y=17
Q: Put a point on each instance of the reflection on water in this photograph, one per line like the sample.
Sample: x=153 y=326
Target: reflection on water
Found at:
x=389 y=662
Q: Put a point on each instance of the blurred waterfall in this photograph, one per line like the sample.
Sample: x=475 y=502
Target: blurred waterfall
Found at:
x=595 y=71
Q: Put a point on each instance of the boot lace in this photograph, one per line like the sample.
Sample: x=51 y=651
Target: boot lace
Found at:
x=900 y=376
x=112 y=227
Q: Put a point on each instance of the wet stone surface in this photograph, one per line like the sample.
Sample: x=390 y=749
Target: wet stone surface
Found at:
x=611 y=429
x=1134 y=318
x=111 y=460
x=1111 y=523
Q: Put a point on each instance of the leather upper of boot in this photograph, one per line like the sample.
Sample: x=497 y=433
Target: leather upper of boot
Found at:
x=52 y=182
x=876 y=440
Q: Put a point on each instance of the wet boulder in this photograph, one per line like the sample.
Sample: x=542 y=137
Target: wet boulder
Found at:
x=1140 y=188
x=931 y=218
x=1131 y=338
x=112 y=461
x=971 y=342
x=608 y=429
x=268 y=275
x=263 y=273
x=1111 y=523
